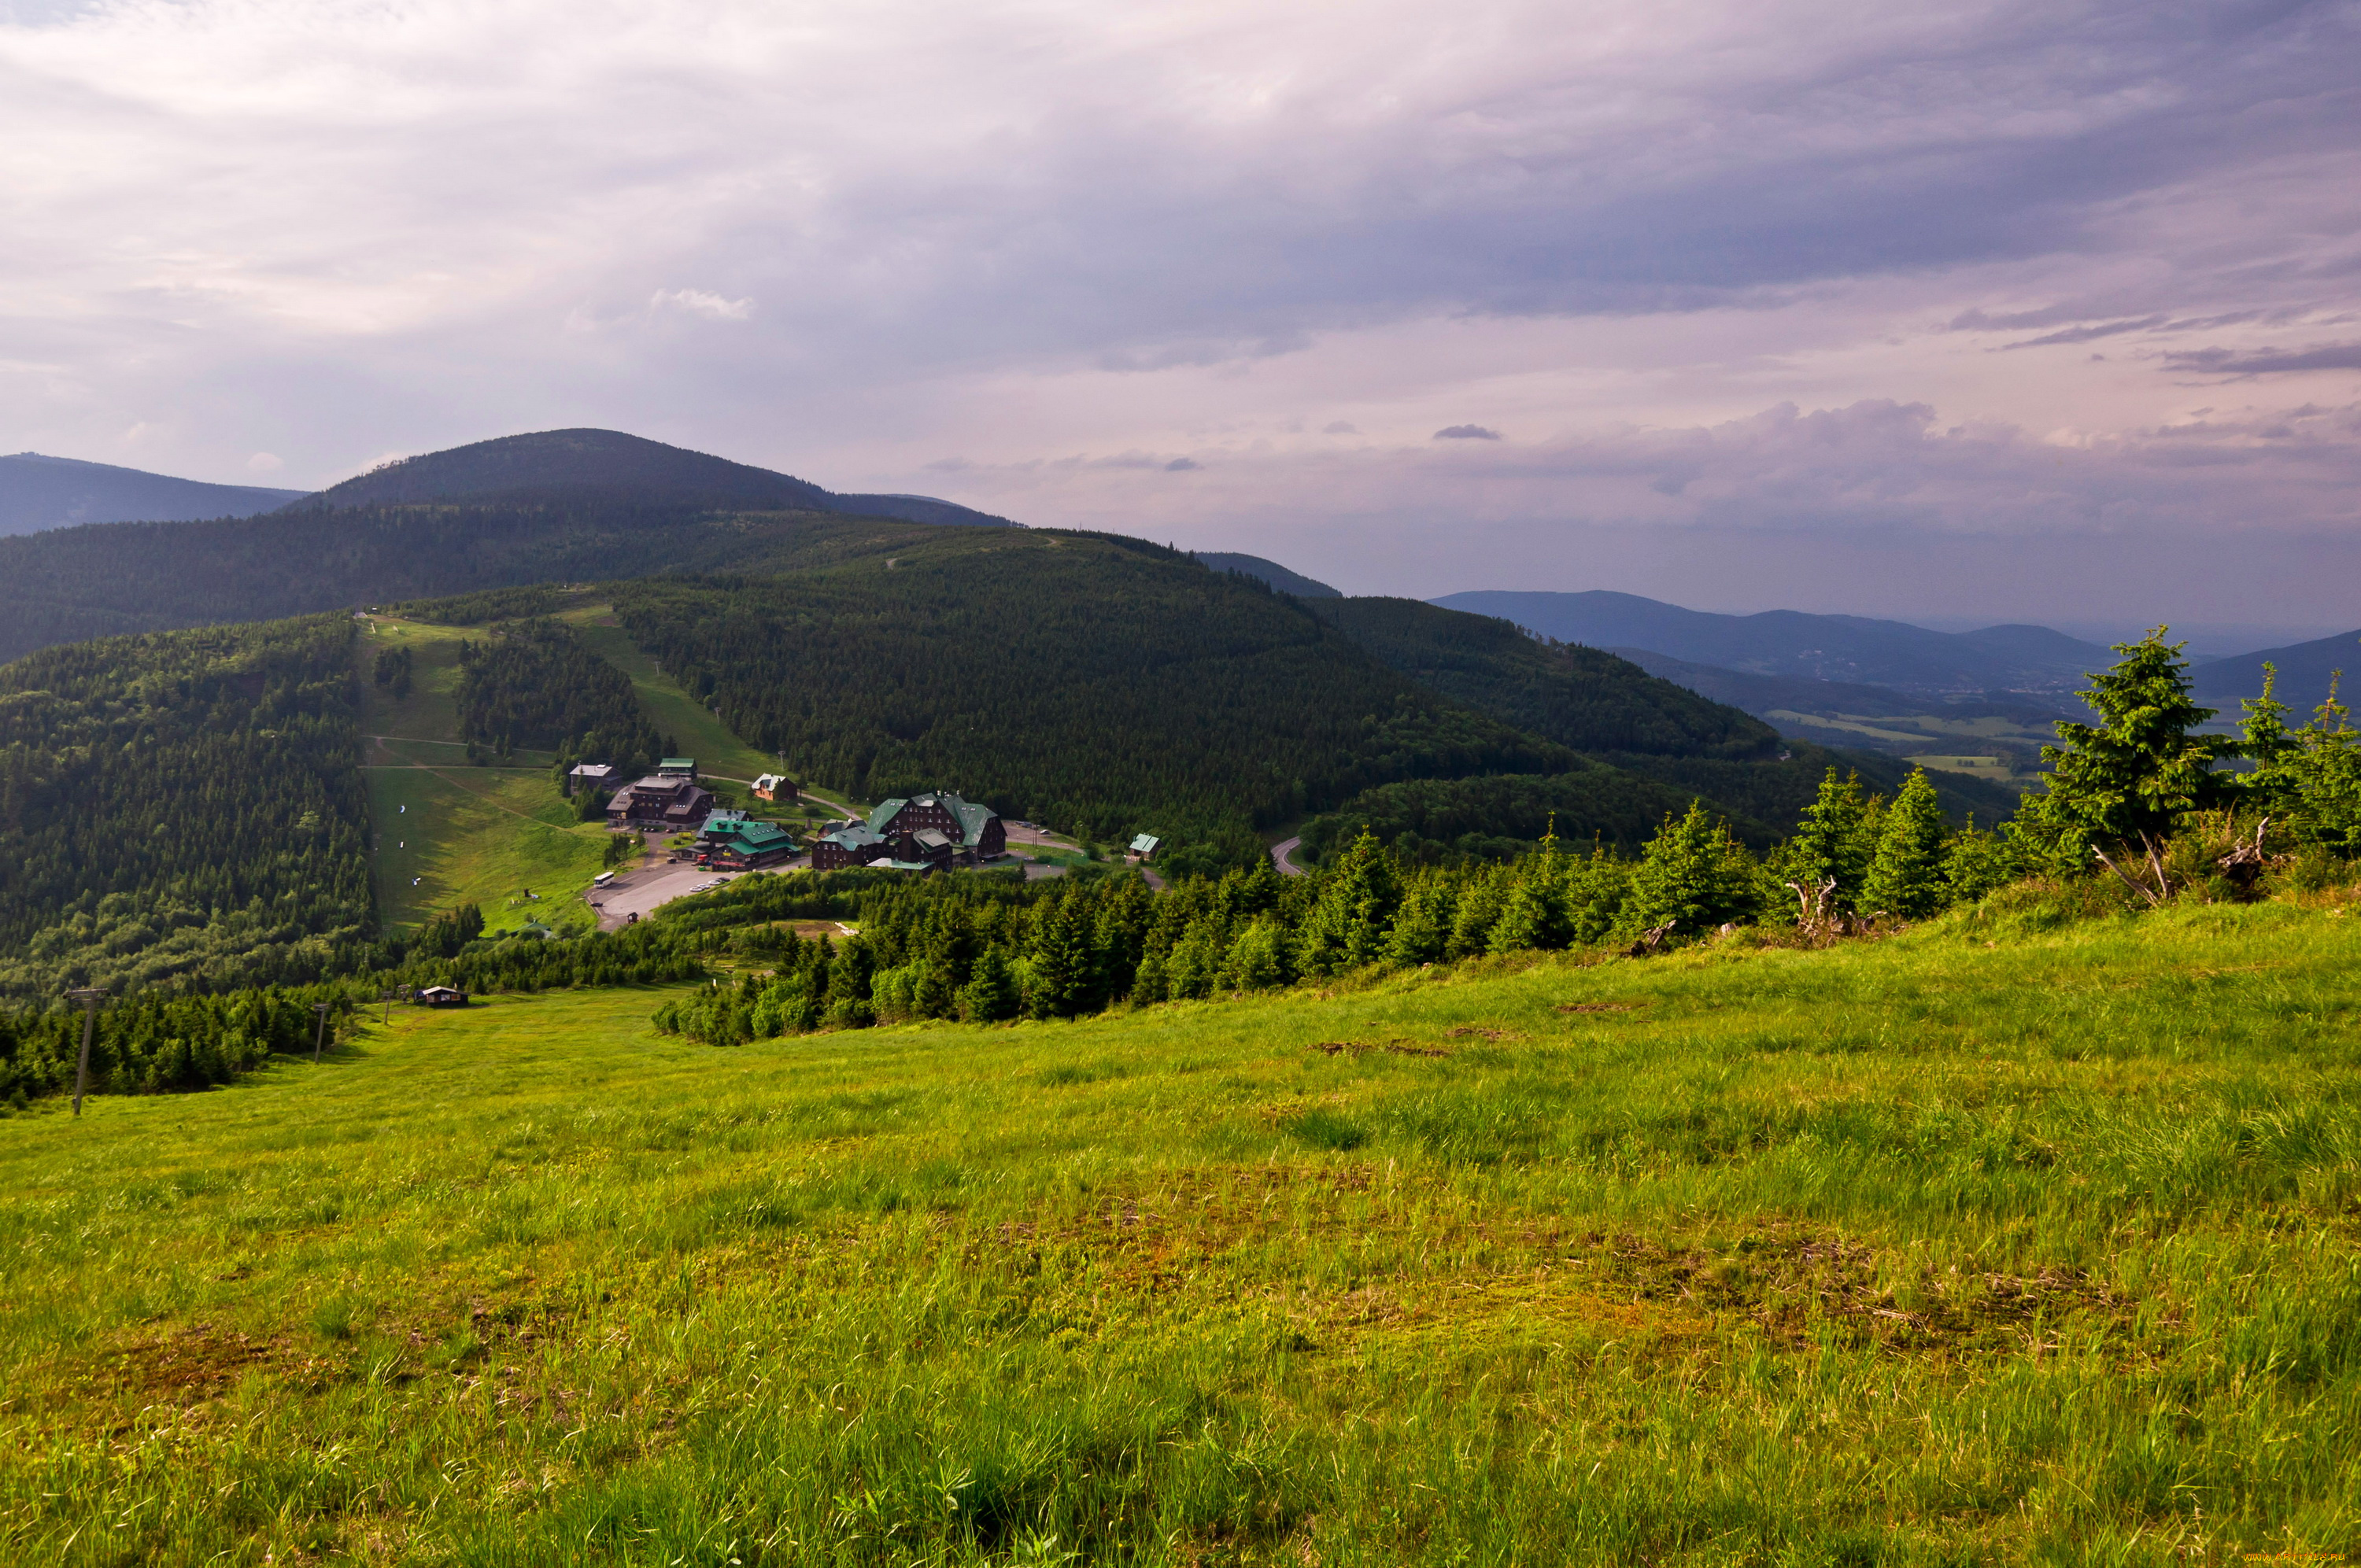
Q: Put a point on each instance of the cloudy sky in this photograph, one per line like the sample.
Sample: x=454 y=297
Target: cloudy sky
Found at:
x=1958 y=312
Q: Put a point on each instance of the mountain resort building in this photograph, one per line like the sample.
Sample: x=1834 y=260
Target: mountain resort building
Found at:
x=588 y=775
x=732 y=841
x=775 y=788
x=921 y=832
x=660 y=801
x=851 y=845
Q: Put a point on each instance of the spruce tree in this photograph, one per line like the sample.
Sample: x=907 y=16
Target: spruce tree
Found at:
x=1535 y=914
x=1062 y=971
x=1906 y=877
x=1835 y=840
x=989 y=994
x=1692 y=875
x=2125 y=779
x=1422 y=933
x=1359 y=897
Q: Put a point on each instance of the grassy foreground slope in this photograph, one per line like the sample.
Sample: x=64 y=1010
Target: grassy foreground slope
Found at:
x=1918 y=1252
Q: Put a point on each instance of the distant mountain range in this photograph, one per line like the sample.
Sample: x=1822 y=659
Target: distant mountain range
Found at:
x=1793 y=645
x=39 y=492
x=2304 y=669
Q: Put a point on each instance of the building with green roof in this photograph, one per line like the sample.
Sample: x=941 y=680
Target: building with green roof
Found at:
x=971 y=832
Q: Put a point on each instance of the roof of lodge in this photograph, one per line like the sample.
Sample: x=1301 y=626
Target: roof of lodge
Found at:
x=754 y=837
x=856 y=837
x=970 y=816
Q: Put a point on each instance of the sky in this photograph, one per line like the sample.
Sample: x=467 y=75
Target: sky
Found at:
x=1959 y=314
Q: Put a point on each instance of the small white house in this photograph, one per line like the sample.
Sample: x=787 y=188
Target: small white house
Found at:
x=775 y=787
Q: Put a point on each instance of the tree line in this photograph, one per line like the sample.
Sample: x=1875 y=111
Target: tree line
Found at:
x=2142 y=783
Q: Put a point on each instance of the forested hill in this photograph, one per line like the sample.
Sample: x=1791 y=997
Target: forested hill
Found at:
x=1576 y=697
x=70 y=583
x=609 y=467
x=184 y=806
x=1103 y=684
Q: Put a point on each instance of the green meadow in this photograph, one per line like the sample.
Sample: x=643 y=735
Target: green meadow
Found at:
x=448 y=832
x=1923 y=1251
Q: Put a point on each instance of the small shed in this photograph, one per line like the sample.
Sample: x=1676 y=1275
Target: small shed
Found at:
x=441 y=996
x=1143 y=848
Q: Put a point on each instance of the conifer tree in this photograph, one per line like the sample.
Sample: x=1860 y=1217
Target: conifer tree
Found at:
x=1535 y=913
x=1836 y=841
x=1061 y=962
x=2308 y=779
x=1258 y=959
x=1693 y=876
x=1359 y=897
x=989 y=994
x=1906 y=877
x=1422 y=933
x=2126 y=778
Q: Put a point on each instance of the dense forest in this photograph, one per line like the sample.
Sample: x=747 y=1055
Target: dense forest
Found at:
x=1576 y=697
x=535 y=683
x=181 y=806
x=71 y=583
x=1430 y=821
x=1105 y=685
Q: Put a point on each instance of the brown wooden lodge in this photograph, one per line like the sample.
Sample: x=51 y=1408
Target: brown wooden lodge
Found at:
x=922 y=832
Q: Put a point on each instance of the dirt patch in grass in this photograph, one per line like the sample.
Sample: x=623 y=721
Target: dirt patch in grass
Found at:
x=1391 y=1048
x=1599 y=1007
x=195 y=1362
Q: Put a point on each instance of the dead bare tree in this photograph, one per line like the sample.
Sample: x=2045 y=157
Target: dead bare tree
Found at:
x=1650 y=940
x=2125 y=878
x=2246 y=863
x=1812 y=916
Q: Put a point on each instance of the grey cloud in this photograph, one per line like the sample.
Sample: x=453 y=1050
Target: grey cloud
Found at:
x=2085 y=334
x=1182 y=465
x=1340 y=427
x=1465 y=433
x=2267 y=361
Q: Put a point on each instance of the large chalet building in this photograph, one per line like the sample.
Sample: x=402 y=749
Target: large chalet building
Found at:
x=919 y=832
x=670 y=800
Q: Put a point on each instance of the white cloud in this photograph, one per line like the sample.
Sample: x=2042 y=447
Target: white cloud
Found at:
x=697 y=302
x=264 y=463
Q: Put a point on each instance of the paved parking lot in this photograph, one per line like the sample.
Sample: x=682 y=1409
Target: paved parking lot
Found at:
x=641 y=893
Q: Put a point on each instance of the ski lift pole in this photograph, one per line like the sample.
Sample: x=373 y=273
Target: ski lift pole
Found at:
x=90 y=1000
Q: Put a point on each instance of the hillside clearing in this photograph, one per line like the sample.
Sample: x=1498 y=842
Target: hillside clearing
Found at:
x=1922 y=1251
